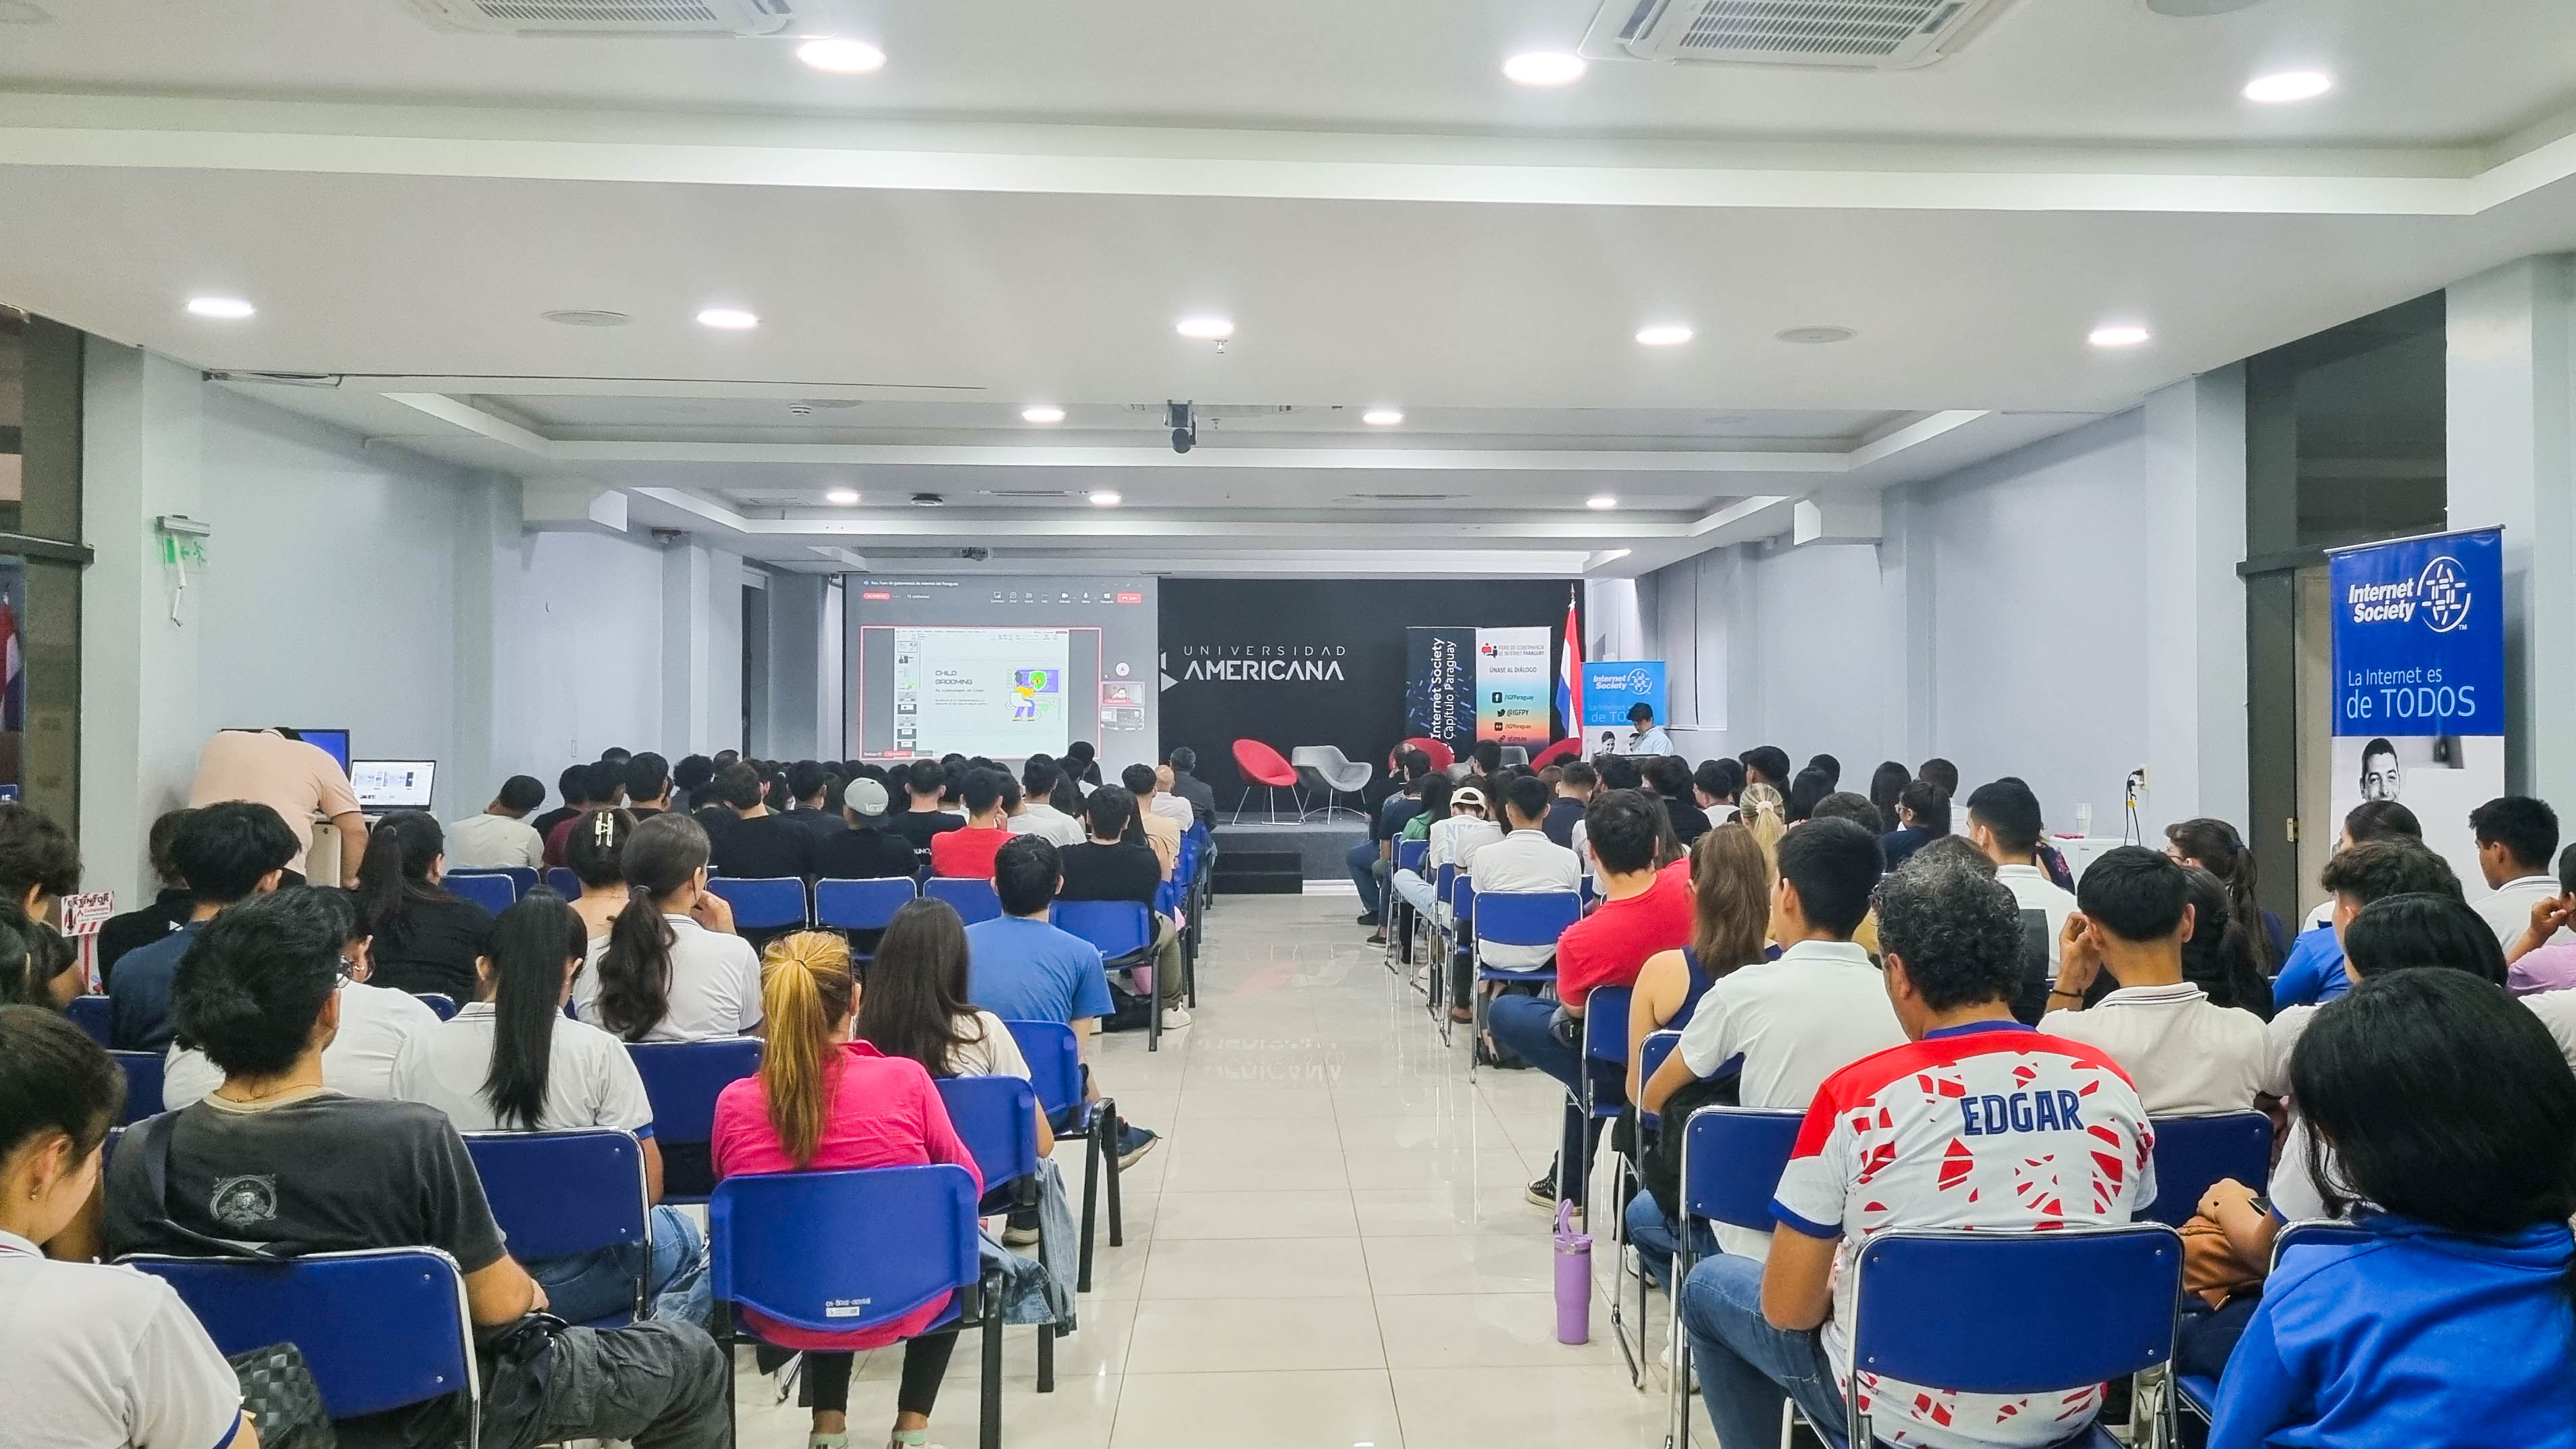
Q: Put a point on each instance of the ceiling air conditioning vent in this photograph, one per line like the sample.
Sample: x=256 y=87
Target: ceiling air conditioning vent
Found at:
x=1842 y=34
x=709 y=18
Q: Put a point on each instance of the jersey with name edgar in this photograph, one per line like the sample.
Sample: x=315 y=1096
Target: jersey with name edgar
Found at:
x=1990 y=1125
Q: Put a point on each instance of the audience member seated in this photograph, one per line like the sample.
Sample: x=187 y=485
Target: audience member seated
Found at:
x=1081 y=763
x=1922 y=816
x=168 y=911
x=1766 y=765
x=1781 y=1027
x=603 y=783
x=2449 y=1323
x=2222 y=957
x=1116 y=864
x=969 y=852
x=812 y=784
x=2542 y=956
x=1882 y=1150
x=426 y=939
x=825 y=1103
x=1886 y=783
x=2004 y=821
x=1643 y=911
x=36 y=964
x=924 y=782
x=1039 y=780
x=1160 y=801
x=1716 y=784
x=89 y=1355
x=2516 y=837
x=648 y=785
x=1372 y=861
x=864 y=851
x=1415 y=887
x=1022 y=968
x=1161 y=831
x=1811 y=786
x=2214 y=846
x=574 y=785
x=228 y=853
x=2313 y=973
x=670 y=967
x=595 y=855
x=501 y=836
x=761 y=843
x=376 y=1023
x=1575 y=784
x=275 y=1157
x=1670 y=777
x=509 y=1061
x=2184 y=1054
x=1186 y=783
x=1524 y=860
x=1730 y=924
x=691 y=778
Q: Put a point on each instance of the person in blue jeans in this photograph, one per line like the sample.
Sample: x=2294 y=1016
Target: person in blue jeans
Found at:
x=2448 y=1324
x=1368 y=860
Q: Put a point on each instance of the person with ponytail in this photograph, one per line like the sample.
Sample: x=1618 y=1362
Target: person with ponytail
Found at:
x=509 y=1061
x=425 y=938
x=2446 y=1109
x=593 y=852
x=670 y=967
x=35 y=963
x=825 y=1103
x=2214 y=846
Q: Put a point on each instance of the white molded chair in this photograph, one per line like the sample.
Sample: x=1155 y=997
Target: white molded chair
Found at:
x=1332 y=772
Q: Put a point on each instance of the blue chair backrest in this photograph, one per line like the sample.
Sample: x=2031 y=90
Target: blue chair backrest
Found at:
x=1118 y=928
x=973 y=897
x=788 y=1244
x=1409 y=854
x=558 y=1193
x=1587 y=891
x=1055 y=1061
x=523 y=878
x=2315 y=1233
x=765 y=904
x=861 y=905
x=491 y=890
x=1650 y=1058
x=1731 y=1162
x=1525 y=918
x=682 y=1078
x=2193 y=1152
x=142 y=1084
x=566 y=884
x=381 y=1328
x=997 y=1119
x=439 y=1002
x=1462 y=903
x=94 y=1015
x=2077 y=1305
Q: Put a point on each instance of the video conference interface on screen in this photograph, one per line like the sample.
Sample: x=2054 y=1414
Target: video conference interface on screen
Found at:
x=1000 y=668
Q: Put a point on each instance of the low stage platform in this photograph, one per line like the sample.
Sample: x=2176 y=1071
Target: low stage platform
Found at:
x=1259 y=858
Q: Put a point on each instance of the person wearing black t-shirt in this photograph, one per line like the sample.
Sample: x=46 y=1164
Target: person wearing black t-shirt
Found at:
x=425 y=938
x=759 y=843
x=275 y=1157
x=1670 y=775
x=924 y=782
x=1117 y=864
x=574 y=783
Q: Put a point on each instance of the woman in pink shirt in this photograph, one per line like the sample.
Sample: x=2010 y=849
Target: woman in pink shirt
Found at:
x=824 y=1103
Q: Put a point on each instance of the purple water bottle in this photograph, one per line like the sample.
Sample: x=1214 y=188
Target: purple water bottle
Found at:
x=1573 y=1279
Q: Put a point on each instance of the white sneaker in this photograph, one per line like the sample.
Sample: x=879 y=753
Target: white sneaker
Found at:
x=1175 y=1017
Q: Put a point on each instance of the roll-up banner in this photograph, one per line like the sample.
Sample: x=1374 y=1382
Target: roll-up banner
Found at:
x=1463 y=685
x=2419 y=706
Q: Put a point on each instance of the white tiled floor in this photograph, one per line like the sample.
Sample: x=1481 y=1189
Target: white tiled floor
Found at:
x=1329 y=1250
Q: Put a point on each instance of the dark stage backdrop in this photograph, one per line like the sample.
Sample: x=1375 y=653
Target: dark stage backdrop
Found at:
x=1290 y=662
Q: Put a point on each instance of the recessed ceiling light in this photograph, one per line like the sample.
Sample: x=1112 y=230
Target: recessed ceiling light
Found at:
x=841 y=56
x=1818 y=336
x=729 y=319
x=1544 y=68
x=1206 y=329
x=1601 y=500
x=586 y=317
x=1104 y=498
x=842 y=497
x=1383 y=417
x=229 y=309
x=2120 y=336
x=1042 y=413
x=1664 y=334
x=2288 y=85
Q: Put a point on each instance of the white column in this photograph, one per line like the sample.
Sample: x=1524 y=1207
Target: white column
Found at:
x=492 y=662
x=2509 y=462
x=2192 y=685
x=796 y=667
x=701 y=650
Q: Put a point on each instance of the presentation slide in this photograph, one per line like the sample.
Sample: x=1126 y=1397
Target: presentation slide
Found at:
x=1002 y=668
x=995 y=692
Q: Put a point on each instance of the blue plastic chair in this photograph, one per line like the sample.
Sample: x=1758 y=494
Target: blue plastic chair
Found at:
x=439 y=1002
x=1516 y=918
x=94 y=1015
x=996 y=1117
x=771 y=903
x=491 y=890
x=1732 y=1158
x=566 y=884
x=1652 y=1053
x=523 y=878
x=2199 y=1392
x=142 y=1084
x=1055 y=1071
x=382 y=1328
x=783 y=1245
x=2193 y=1152
x=682 y=1080
x=861 y=905
x=2060 y=1309
x=560 y=1193
x=1124 y=932
x=1457 y=947
x=972 y=896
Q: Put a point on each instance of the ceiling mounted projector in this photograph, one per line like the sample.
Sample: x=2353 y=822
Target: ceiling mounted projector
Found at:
x=1874 y=35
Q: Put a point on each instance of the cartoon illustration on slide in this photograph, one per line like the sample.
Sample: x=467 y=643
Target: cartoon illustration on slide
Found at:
x=1026 y=686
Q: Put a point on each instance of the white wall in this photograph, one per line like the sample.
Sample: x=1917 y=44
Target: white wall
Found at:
x=590 y=620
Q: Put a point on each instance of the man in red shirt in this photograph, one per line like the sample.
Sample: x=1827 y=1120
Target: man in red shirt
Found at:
x=970 y=852
x=1642 y=911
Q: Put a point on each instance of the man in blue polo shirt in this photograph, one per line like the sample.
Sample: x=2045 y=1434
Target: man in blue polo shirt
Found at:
x=227 y=853
x=1020 y=968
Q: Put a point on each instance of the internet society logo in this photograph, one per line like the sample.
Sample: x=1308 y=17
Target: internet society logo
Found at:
x=1639 y=681
x=2442 y=591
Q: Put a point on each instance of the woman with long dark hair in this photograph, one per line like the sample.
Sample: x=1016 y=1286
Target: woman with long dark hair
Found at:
x=915 y=1004
x=425 y=938
x=825 y=1103
x=35 y=963
x=2445 y=1107
x=594 y=851
x=670 y=967
x=1886 y=783
x=2220 y=958
x=1730 y=921
x=2214 y=846
x=510 y=1061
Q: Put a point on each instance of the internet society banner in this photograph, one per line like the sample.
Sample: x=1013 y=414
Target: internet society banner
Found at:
x=2419 y=682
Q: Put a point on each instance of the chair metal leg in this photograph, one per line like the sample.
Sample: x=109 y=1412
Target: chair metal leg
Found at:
x=1117 y=1218
x=1046 y=1358
x=1090 y=1203
x=1154 y=1005
x=989 y=1429
x=724 y=1341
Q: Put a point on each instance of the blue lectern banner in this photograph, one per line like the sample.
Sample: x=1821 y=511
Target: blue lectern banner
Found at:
x=1610 y=687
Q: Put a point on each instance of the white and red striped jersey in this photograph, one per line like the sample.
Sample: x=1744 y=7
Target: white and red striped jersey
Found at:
x=1987 y=1125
